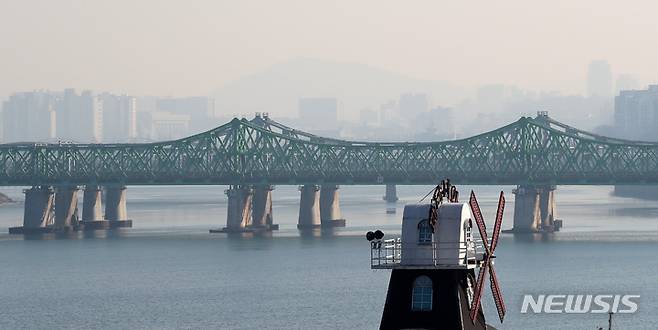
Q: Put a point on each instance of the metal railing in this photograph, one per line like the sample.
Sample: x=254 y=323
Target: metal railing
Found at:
x=385 y=252
x=391 y=253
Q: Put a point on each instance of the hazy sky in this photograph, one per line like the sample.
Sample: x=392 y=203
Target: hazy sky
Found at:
x=193 y=47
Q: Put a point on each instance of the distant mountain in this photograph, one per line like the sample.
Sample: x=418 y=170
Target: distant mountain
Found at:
x=357 y=86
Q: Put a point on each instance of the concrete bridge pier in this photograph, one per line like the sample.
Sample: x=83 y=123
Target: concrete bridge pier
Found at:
x=547 y=207
x=238 y=215
x=330 y=207
x=92 y=209
x=526 y=209
x=116 y=212
x=38 y=212
x=261 y=217
x=534 y=209
x=66 y=207
x=391 y=195
x=309 y=207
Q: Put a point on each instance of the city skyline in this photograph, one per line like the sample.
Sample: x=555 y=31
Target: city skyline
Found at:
x=109 y=117
x=101 y=117
x=619 y=80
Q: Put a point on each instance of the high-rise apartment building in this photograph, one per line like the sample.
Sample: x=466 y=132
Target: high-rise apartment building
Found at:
x=79 y=117
x=29 y=117
x=119 y=117
x=67 y=116
x=636 y=114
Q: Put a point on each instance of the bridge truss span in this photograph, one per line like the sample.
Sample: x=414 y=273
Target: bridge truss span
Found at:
x=262 y=151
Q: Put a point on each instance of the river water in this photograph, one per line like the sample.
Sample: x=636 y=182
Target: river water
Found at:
x=168 y=272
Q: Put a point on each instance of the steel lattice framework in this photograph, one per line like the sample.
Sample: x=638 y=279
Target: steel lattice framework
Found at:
x=538 y=151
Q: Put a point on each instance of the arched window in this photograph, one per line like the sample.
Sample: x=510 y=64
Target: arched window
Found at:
x=421 y=294
x=424 y=232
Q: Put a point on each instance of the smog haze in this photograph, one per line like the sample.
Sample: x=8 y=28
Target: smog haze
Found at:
x=191 y=47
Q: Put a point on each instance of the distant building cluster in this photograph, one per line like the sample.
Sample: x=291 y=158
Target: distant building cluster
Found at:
x=66 y=116
x=600 y=80
x=410 y=118
x=636 y=114
x=89 y=117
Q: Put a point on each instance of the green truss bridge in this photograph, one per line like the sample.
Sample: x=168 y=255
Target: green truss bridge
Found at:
x=534 y=153
x=538 y=151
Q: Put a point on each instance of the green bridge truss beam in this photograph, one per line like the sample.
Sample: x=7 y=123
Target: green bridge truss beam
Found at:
x=245 y=152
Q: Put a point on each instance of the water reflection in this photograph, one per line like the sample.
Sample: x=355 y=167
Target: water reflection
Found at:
x=263 y=234
x=533 y=237
x=72 y=235
x=239 y=235
x=327 y=232
x=308 y=234
x=69 y=234
x=248 y=241
x=114 y=233
x=92 y=234
x=39 y=237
